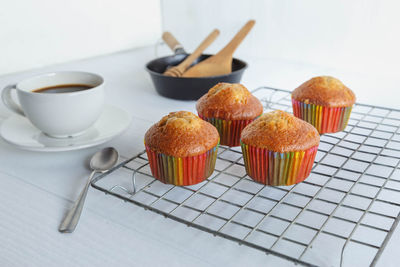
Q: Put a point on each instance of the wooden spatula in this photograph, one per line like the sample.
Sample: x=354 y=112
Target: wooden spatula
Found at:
x=177 y=71
x=220 y=63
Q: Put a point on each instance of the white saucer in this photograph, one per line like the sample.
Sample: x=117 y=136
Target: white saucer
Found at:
x=18 y=131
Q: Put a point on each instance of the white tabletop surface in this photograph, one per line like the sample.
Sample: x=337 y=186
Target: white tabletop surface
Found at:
x=37 y=188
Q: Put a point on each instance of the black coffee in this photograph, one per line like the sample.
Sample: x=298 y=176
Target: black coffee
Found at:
x=63 y=88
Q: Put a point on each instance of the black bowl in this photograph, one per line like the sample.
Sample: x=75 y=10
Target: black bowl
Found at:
x=189 y=88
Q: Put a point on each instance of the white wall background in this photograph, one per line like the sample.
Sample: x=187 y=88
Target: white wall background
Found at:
x=43 y=32
x=357 y=41
x=360 y=36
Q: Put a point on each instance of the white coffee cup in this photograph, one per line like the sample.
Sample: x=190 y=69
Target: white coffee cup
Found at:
x=58 y=114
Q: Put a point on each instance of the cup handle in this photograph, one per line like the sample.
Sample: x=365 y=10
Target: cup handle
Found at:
x=9 y=102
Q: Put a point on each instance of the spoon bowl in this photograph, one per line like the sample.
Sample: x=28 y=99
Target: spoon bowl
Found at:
x=104 y=160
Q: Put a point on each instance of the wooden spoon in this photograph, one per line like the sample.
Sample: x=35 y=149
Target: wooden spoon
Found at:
x=177 y=71
x=220 y=63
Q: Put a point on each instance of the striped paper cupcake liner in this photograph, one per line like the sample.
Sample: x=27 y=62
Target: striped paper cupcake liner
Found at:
x=275 y=168
x=182 y=171
x=325 y=119
x=229 y=130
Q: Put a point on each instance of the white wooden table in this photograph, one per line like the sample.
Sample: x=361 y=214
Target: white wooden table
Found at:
x=36 y=188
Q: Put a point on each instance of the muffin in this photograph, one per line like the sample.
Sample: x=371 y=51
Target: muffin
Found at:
x=230 y=108
x=279 y=149
x=325 y=102
x=181 y=148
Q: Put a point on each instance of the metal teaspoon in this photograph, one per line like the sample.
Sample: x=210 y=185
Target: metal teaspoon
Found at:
x=100 y=162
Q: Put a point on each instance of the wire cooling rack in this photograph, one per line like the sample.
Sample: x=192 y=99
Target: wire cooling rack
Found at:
x=343 y=214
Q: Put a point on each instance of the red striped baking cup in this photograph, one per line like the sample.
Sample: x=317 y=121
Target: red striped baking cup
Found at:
x=325 y=119
x=229 y=130
x=275 y=168
x=182 y=171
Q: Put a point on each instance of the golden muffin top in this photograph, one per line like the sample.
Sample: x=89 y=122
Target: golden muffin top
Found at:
x=181 y=134
x=230 y=102
x=279 y=131
x=324 y=91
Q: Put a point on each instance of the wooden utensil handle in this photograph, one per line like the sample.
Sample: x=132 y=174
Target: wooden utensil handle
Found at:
x=170 y=40
x=230 y=48
x=199 y=50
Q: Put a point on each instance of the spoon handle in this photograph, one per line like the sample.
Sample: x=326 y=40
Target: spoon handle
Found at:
x=72 y=218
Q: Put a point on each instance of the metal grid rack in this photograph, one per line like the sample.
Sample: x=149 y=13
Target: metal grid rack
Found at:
x=345 y=212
